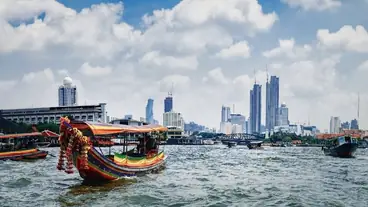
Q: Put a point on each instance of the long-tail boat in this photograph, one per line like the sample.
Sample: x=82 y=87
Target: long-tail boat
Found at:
x=21 y=146
x=342 y=146
x=76 y=145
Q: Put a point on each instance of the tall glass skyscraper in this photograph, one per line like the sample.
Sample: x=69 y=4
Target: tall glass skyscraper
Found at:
x=272 y=102
x=255 y=108
x=225 y=113
x=149 y=111
x=168 y=104
x=67 y=93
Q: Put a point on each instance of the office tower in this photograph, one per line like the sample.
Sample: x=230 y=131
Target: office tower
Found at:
x=149 y=111
x=225 y=114
x=272 y=102
x=255 y=108
x=282 y=115
x=67 y=93
x=335 y=125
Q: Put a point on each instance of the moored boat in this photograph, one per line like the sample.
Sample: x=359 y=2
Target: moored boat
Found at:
x=343 y=146
x=20 y=147
x=94 y=166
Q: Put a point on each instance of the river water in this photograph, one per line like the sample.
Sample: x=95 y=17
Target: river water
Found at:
x=200 y=176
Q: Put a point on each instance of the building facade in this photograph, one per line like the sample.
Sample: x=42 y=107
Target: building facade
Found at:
x=92 y=113
x=238 y=119
x=272 y=102
x=173 y=119
x=225 y=113
x=255 y=108
x=335 y=125
x=149 y=111
x=354 y=124
x=67 y=93
x=282 y=115
x=168 y=104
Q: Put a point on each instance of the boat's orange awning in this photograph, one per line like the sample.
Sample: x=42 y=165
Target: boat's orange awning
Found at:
x=106 y=129
x=20 y=135
x=329 y=136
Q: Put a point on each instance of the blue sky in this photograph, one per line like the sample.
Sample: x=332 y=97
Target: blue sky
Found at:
x=135 y=9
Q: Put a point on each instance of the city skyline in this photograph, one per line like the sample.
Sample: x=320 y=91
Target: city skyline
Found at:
x=131 y=53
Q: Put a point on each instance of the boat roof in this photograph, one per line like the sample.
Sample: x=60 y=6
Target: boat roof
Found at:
x=45 y=133
x=107 y=129
x=256 y=142
x=32 y=134
x=332 y=136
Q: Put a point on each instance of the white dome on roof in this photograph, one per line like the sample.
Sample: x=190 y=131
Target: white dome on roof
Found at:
x=67 y=81
x=283 y=104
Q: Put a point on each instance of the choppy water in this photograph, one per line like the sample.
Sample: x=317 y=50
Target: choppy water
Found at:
x=201 y=176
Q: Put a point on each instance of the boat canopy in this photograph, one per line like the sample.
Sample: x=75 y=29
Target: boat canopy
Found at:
x=32 y=134
x=107 y=129
x=45 y=133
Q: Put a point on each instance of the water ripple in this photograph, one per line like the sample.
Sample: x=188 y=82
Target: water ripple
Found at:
x=201 y=176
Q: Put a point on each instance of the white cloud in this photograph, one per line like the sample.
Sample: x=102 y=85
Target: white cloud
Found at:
x=177 y=47
x=287 y=48
x=96 y=71
x=363 y=66
x=154 y=58
x=346 y=38
x=319 y=5
x=240 y=49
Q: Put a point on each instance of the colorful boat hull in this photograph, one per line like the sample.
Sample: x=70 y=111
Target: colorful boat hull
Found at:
x=102 y=168
x=29 y=154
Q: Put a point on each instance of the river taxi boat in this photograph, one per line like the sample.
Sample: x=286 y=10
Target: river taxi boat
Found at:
x=342 y=146
x=255 y=145
x=21 y=147
x=231 y=144
x=76 y=146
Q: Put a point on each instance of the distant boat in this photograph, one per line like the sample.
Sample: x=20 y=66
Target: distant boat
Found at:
x=343 y=146
x=21 y=147
x=231 y=144
x=255 y=145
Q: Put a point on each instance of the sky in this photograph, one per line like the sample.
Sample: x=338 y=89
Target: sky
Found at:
x=212 y=51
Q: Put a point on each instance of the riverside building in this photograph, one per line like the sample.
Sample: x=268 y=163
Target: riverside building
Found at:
x=92 y=113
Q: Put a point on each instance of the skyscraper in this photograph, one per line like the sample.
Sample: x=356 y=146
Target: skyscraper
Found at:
x=168 y=104
x=149 y=111
x=67 y=93
x=272 y=102
x=282 y=115
x=335 y=125
x=225 y=113
x=354 y=124
x=255 y=108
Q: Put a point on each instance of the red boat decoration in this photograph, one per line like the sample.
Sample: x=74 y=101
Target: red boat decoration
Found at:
x=77 y=140
x=20 y=147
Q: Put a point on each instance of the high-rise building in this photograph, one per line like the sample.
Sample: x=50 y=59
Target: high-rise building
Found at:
x=173 y=119
x=238 y=119
x=345 y=125
x=168 y=104
x=354 y=124
x=255 y=108
x=272 y=102
x=335 y=125
x=149 y=111
x=282 y=115
x=225 y=114
x=67 y=93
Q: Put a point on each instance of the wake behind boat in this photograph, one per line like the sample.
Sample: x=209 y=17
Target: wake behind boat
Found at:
x=343 y=146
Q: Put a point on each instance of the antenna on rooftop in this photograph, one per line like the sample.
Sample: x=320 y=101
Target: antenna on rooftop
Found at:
x=233 y=108
x=267 y=72
x=171 y=90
